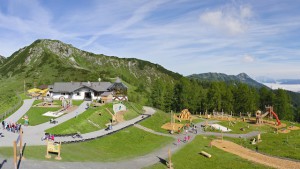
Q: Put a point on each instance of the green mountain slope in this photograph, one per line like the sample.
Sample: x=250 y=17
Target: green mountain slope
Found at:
x=2 y=60
x=52 y=60
x=48 y=61
x=221 y=77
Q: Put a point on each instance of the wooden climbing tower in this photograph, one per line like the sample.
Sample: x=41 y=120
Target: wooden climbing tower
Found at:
x=185 y=115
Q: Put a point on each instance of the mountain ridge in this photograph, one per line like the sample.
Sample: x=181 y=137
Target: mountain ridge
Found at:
x=2 y=59
x=53 y=55
x=222 y=77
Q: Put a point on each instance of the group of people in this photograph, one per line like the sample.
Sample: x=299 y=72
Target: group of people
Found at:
x=185 y=139
x=12 y=127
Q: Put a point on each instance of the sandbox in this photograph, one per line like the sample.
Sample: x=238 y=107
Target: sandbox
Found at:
x=284 y=131
x=293 y=128
x=53 y=114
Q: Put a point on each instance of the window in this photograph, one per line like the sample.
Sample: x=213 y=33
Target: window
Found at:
x=77 y=94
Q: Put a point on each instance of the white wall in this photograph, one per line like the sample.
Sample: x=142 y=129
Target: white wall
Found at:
x=74 y=95
x=78 y=97
x=56 y=96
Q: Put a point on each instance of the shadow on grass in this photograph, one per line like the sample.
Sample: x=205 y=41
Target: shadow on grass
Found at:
x=163 y=161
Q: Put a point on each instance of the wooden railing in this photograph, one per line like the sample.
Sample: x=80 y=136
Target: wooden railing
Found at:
x=12 y=109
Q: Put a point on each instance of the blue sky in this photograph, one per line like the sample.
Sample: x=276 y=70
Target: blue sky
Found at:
x=260 y=38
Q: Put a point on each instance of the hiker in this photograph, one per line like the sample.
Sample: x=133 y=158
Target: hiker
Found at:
x=178 y=141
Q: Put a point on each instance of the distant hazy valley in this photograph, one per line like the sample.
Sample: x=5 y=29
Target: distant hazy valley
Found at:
x=287 y=84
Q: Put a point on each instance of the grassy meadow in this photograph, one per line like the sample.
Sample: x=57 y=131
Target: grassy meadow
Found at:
x=285 y=145
x=84 y=123
x=189 y=157
x=125 y=144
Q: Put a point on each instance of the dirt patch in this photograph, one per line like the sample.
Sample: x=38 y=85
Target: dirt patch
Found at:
x=70 y=109
x=45 y=105
x=272 y=124
x=293 y=128
x=254 y=156
x=284 y=131
x=120 y=116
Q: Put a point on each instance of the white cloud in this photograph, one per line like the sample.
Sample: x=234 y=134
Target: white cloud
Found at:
x=232 y=20
x=137 y=16
x=248 y=59
x=246 y=12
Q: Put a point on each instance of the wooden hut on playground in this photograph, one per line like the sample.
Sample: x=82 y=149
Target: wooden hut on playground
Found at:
x=172 y=126
x=184 y=115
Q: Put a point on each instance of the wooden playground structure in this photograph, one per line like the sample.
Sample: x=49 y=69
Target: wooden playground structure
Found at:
x=36 y=93
x=53 y=148
x=260 y=116
x=185 y=115
x=172 y=126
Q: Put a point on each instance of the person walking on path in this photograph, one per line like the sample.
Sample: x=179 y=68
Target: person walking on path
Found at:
x=178 y=141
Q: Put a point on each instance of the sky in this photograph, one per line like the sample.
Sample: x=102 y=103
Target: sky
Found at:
x=260 y=38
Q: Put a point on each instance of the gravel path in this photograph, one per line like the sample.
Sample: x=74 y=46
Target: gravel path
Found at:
x=136 y=163
x=152 y=131
x=254 y=156
x=21 y=111
x=34 y=133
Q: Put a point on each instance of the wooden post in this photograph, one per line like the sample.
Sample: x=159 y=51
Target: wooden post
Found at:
x=205 y=154
x=21 y=143
x=222 y=113
x=47 y=152
x=171 y=117
x=170 y=165
x=15 y=154
x=24 y=87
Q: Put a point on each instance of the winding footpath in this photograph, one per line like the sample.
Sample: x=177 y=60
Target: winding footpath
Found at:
x=33 y=134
